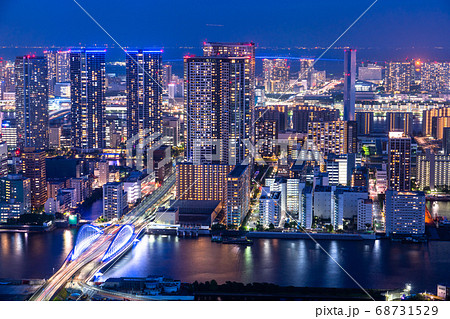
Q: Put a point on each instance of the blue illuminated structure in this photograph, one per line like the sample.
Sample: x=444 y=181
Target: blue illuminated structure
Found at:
x=124 y=236
x=86 y=236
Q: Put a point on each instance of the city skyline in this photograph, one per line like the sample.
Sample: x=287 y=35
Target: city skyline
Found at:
x=225 y=151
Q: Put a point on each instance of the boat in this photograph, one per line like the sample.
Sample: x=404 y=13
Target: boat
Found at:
x=238 y=241
x=216 y=239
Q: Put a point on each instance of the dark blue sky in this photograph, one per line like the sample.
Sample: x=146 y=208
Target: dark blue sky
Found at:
x=390 y=23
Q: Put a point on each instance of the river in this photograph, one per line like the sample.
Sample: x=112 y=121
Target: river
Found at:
x=374 y=264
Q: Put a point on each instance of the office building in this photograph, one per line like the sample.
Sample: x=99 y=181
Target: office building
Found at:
x=114 y=200
x=33 y=167
x=405 y=213
x=269 y=208
x=399 y=161
x=87 y=92
x=144 y=92
x=349 y=84
x=53 y=187
x=237 y=195
x=32 y=101
x=398 y=77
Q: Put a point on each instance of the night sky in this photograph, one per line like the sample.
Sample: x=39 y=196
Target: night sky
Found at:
x=390 y=23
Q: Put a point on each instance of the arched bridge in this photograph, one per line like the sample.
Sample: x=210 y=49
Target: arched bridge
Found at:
x=123 y=238
x=86 y=236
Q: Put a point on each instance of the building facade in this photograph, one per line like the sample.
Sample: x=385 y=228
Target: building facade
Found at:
x=88 y=88
x=32 y=101
x=144 y=92
x=405 y=213
x=399 y=161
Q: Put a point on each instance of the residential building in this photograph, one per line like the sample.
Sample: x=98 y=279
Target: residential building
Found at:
x=33 y=167
x=399 y=161
x=144 y=92
x=270 y=208
x=237 y=195
x=87 y=92
x=32 y=101
x=114 y=200
x=364 y=218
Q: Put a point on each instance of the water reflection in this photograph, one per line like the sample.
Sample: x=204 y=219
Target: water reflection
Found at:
x=377 y=264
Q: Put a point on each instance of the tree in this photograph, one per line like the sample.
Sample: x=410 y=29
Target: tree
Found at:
x=271 y=226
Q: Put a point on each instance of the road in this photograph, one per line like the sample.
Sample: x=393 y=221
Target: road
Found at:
x=91 y=258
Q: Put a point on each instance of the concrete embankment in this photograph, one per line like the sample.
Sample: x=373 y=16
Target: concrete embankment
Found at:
x=317 y=236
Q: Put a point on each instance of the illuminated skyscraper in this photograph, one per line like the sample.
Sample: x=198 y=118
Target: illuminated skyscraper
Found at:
x=63 y=66
x=217 y=102
x=33 y=162
x=398 y=77
x=50 y=56
x=88 y=88
x=349 y=84
x=306 y=68
x=32 y=101
x=399 y=158
x=144 y=92
x=243 y=50
x=276 y=75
